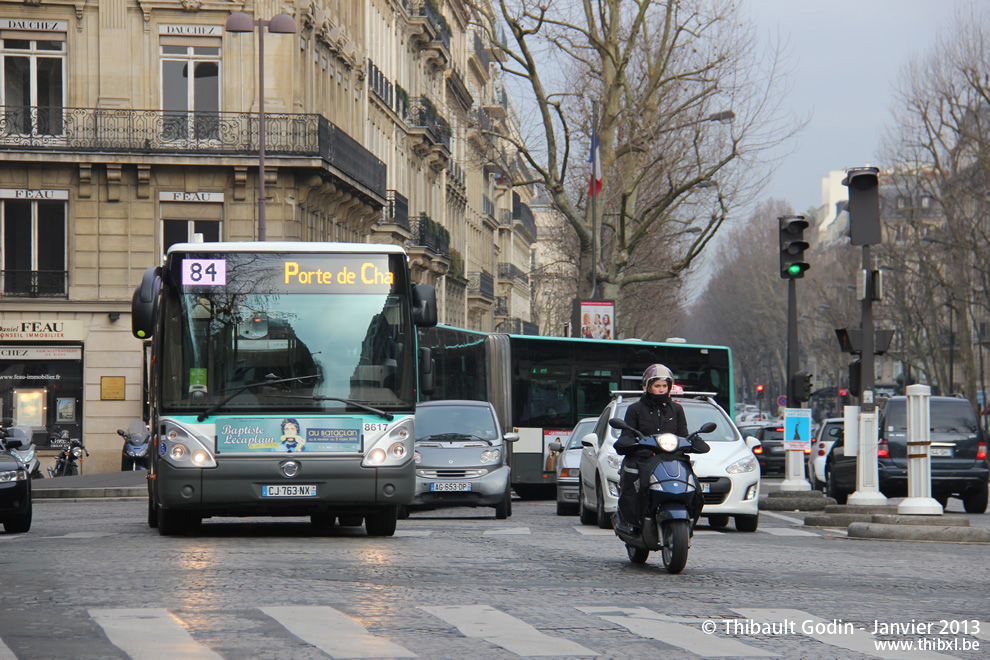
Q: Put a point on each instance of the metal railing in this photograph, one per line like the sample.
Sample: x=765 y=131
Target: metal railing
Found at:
x=482 y=283
x=510 y=271
x=424 y=114
x=120 y=130
x=521 y=213
x=34 y=283
x=398 y=209
x=488 y=206
x=439 y=23
x=479 y=51
x=432 y=235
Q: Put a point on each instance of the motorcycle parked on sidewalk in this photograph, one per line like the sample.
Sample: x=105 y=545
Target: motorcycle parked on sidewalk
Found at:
x=70 y=456
x=673 y=500
x=25 y=451
x=136 y=454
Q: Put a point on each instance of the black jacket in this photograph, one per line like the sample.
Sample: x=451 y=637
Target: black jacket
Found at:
x=649 y=419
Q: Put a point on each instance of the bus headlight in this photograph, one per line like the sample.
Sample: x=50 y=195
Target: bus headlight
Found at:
x=391 y=448
x=376 y=457
x=178 y=452
x=397 y=450
x=182 y=448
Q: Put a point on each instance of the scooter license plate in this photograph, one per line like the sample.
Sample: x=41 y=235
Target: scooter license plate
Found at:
x=450 y=486
x=288 y=491
x=705 y=487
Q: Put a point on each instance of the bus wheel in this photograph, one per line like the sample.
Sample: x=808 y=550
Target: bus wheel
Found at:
x=381 y=523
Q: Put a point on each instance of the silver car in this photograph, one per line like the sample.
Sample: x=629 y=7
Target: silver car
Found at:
x=569 y=465
x=461 y=457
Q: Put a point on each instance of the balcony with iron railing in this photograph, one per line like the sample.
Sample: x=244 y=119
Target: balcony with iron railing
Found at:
x=456 y=179
x=512 y=273
x=397 y=212
x=34 y=283
x=481 y=284
x=432 y=31
x=481 y=55
x=379 y=85
x=432 y=130
x=501 y=306
x=161 y=132
x=431 y=234
x=488 y=206
x=523 y=217
x=505 y=217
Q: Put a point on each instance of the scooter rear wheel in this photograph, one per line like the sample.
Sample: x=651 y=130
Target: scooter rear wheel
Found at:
x=675 y=545
x=637 y=555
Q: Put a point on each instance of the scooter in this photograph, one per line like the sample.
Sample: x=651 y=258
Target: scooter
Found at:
x=69 y=458
x=673 y=501
x=24 y=451
x=136 y=454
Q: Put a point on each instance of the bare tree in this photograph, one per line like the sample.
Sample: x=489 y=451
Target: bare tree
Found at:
x=659 y=78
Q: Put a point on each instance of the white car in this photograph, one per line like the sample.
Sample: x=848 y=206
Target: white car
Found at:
x=568 y=465
x=830 y=431
x=729 y=474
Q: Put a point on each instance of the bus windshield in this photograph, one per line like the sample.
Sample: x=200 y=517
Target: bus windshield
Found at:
x=267 y=340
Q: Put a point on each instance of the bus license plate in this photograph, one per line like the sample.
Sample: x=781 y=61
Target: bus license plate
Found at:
x=706 y=488
x=942 y=451
x=288 y=491
x=451 y=487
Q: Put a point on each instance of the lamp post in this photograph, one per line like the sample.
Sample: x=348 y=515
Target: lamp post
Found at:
x=279 y=24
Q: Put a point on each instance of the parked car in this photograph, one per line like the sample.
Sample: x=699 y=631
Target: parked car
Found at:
x=729 y=474
x=461 y=457
x=830 y=431
x=771 y=452
x=15 y=490
x=959 y=465
x=569 y=465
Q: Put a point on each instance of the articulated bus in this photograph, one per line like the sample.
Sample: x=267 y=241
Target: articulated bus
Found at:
x=283 y=380
x=542 y=386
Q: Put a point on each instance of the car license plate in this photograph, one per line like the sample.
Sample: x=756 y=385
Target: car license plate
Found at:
x=288 y=491
x=706 y=487
x=942 y=451
x=450 y=486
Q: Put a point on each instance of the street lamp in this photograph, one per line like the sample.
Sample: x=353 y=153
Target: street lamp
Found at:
x=240 y=21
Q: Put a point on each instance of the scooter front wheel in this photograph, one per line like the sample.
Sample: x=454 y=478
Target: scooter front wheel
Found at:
x=675 y=545
x=637 y=555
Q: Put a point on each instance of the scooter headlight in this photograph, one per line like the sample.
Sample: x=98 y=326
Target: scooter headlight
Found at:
x=667 y=441
x=77 y=452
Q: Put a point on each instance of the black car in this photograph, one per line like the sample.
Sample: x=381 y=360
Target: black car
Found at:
x=771 y=452
x=15 y=491
x=959 y=465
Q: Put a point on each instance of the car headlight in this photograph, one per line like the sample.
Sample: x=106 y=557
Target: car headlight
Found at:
x=614 y=461
x=747 y=464
x=569 y=472
x=491 y=455
x=667 y=441
x=13 y=475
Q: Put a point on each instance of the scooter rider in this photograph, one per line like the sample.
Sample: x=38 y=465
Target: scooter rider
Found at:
x=654 y=413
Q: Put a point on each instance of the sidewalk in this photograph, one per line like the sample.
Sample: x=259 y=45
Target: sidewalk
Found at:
x=109 y=484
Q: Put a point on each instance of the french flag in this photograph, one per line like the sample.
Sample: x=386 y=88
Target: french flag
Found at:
x=595 y=184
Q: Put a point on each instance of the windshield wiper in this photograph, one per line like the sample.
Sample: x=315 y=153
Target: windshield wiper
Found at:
x=319 y=397
x=451 y=437
x=270 y=379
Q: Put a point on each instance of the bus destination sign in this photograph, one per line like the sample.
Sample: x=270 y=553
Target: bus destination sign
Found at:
x=336 y=273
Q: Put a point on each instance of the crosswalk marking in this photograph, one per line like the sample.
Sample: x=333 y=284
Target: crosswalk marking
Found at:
x=413 y=532
x=501 y=629
x=334 y=633
x=855 y=640
x=150 y=633
x=506 y=532
x=584 y=530
x=6 y=653
x=646 y=623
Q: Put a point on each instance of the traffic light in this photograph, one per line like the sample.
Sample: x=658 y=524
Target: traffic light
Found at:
x=801 y=386
x=843 y=396
x=855 y=377
x=864 y=205
x=759 y=390
x=792 y=246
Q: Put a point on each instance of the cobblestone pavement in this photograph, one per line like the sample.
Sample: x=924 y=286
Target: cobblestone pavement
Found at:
x=91 y=580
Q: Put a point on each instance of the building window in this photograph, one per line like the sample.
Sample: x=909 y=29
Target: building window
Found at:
x=191 y=92
x=33 y=83
x=184 y=231
x=33 y=247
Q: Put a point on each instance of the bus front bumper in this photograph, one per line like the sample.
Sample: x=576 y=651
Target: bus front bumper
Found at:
x=237 y=487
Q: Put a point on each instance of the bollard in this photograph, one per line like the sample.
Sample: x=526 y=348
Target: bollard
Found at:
x=919 y=500
x=867 y=468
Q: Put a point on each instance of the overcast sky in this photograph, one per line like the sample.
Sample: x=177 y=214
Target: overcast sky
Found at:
x=846 y=57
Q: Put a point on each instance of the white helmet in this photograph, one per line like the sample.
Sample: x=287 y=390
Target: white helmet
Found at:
x=657 y=372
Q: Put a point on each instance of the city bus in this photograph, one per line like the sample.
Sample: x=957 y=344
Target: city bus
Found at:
x=283 y=380
x=542 y=386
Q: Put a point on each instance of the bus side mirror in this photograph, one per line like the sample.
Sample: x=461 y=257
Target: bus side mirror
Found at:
x=424 y=305
x=143 y=303
x=426 y=365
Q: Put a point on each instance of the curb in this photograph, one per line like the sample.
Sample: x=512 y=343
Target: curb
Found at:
x=802 y=500
x=86 y=493
x=837 y=519
x=944 y=533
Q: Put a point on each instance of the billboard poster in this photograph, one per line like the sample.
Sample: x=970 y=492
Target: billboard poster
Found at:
x=289 y=435
x=550 y=458
x=597 y=319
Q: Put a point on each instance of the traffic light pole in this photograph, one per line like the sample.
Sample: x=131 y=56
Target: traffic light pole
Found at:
x=793 y=458
x=867 y=466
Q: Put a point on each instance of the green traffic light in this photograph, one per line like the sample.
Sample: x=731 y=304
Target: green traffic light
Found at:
x=794 y=269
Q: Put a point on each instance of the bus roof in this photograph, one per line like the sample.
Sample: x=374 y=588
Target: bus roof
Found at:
x=629 y=342
x=287 y=246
